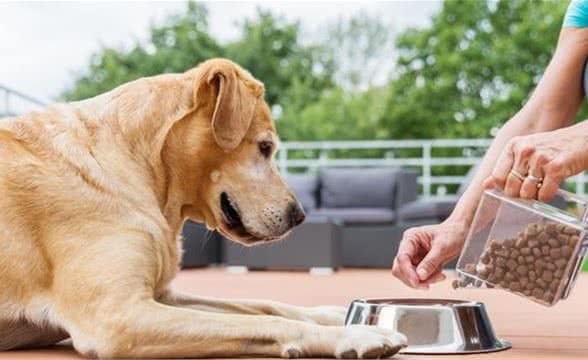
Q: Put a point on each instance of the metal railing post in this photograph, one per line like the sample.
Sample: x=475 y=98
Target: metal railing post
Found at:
x=427 y=170
x=283 y=160
x=323 y=158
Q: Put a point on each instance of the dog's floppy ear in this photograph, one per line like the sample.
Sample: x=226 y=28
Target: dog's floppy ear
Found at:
x=235 y=101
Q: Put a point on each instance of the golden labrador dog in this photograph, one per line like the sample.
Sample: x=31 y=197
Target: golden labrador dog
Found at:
x=93 y=195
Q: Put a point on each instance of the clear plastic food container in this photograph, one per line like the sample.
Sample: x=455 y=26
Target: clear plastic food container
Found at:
x=526 y=247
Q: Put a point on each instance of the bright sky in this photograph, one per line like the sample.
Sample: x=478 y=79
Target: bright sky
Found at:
x=43 y=44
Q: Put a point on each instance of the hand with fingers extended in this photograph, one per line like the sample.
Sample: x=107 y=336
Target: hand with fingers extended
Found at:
x=534 y=166
x=424 y=250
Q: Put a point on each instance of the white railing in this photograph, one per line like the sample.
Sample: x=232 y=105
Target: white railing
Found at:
x=310 y=156
x=14 y=102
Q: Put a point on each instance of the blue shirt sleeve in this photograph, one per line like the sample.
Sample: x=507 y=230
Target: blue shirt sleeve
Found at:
x=577 y=14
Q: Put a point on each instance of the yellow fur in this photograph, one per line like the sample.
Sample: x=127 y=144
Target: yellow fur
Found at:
x=93 y=195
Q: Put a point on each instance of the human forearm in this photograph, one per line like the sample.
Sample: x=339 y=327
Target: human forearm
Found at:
x=466 y=207
x=553 y=105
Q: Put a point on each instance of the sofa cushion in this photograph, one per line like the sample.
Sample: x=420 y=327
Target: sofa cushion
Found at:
x=357 y=187
x=438 y=209
x=305 y=186
x=358 y=215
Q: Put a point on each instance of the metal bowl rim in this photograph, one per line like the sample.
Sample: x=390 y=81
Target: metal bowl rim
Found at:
x=417 y=302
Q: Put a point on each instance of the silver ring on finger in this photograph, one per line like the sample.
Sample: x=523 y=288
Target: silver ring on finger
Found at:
x=535 y=179
x=518 y=175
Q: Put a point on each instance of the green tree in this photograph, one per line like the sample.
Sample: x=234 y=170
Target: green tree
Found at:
x=356 y=50
x=361 y=47
x=338 y=115
x=472 y=68
x=272 y=50
x=270 y=47
x=177 y=45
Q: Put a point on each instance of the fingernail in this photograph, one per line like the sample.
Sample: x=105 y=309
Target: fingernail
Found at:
x=422 y=273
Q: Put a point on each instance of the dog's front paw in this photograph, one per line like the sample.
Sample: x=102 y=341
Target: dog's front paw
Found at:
x=327 y=315
x=368 y=342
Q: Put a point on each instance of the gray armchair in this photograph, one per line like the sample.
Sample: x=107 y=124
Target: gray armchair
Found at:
x=433 y=211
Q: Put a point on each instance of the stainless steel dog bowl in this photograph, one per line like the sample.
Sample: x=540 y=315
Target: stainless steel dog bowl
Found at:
x=432 y=326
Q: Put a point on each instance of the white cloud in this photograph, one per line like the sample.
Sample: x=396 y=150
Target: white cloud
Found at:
x=44 y=43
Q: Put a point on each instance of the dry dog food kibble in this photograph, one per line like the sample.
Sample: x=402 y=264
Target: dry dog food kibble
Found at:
x=532 y=264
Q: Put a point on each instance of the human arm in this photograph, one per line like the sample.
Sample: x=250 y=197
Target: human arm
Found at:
x=553 y=105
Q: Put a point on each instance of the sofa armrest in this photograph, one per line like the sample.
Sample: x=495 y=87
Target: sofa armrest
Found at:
x=432 y=209
x=406 y=188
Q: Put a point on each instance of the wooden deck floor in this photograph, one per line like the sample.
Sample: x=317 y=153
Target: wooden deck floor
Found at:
x=536 y=332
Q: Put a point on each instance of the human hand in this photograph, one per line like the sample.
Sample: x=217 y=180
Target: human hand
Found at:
x=424 y=250
x=534 y=166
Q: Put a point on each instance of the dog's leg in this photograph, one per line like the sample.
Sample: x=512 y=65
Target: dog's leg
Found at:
x=111 y=311
x=321 y=315
x=150 y=329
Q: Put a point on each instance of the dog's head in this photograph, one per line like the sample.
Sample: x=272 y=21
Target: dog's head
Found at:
x=222 y=158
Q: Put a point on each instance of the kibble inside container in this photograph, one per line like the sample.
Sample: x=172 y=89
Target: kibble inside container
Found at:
x=526 y=247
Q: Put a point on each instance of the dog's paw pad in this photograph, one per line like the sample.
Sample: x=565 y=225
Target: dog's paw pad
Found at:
x=349 y=354
x=392 y=351
x=292 y=353
x=383 y=352
x=375 y=353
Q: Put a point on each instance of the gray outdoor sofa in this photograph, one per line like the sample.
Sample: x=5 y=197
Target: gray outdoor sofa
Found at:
x=355 y=218
x=366 y=202
x=363 y=203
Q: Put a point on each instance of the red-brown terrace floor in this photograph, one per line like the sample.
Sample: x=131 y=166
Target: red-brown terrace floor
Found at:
x=536 y=332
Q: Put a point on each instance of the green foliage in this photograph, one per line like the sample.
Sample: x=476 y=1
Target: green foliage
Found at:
x=472 y=69
x=361 y=48
x=270 y=47
x=338 y=115
x=299 y=76
x=176 y=46
x=463 y=75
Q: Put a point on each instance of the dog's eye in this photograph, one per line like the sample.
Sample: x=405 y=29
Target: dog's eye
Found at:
x=265 y=148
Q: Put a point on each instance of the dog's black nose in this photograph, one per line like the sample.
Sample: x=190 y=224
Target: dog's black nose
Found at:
x=296 y=214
